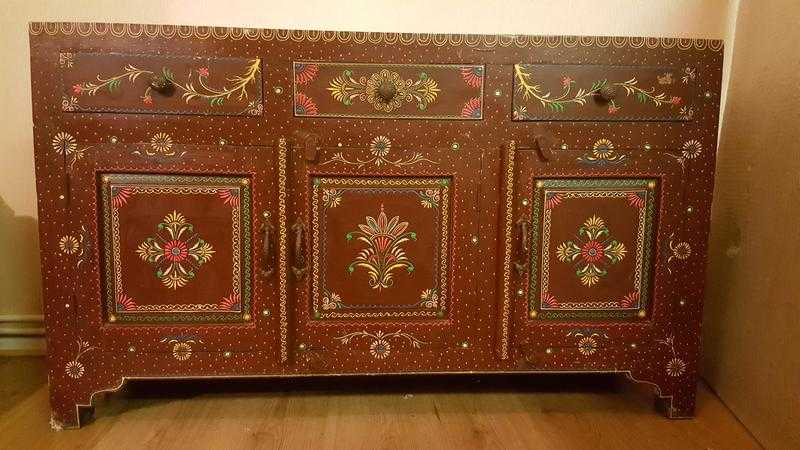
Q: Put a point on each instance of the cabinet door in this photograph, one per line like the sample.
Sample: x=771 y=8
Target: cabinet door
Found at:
x=381 y=244
x=583 y=233
x=179 y=247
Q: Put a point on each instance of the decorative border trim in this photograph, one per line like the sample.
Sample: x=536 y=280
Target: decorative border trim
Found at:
x=508 y=247
x=283 y=264
x=172 y=184
x=361 y=37
x=584 y=188
x=401 y=183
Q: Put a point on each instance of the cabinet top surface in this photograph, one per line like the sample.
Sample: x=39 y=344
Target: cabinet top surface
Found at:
x=130 y=30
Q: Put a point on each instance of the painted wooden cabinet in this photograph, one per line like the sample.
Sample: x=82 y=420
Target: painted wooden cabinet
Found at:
x=219 y=202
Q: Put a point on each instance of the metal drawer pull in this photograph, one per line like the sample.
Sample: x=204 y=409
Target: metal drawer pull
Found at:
x=298 y=257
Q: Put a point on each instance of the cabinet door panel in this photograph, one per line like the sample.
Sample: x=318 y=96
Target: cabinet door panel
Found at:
x=384 y=268
x=177 y=257
x=589 y=245
x=380 y=247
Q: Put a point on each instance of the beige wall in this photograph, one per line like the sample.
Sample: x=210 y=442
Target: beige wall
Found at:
x=752 y=327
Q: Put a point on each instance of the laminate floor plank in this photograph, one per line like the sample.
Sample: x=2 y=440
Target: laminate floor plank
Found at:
x=419 y=412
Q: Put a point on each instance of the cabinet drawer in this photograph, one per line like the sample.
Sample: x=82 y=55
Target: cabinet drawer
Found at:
x=410 y=91
x=545 y=92
x=160 y=84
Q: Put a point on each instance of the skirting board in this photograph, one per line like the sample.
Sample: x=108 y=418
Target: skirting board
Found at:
x=21 y=334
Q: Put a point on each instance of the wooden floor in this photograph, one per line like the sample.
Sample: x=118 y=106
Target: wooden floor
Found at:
x=442 y=412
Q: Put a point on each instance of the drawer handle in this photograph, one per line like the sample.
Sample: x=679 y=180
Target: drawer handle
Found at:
x=387 y=91
x=266 y=246
x=607 y=92
x=162 y=84
x=298 y=258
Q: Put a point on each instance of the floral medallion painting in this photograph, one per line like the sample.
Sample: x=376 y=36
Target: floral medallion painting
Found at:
x=176 y=248
x=595 y=249
x=422 y=91
x=380 y=247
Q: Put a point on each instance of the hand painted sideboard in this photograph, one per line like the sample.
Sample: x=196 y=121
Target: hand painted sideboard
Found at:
x=221 y=202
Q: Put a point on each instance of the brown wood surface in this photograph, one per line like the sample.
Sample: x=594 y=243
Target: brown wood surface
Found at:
x=459 y=412
x=455 y=263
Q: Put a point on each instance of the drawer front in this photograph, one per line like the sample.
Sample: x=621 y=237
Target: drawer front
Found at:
x=160 y=84
x=176 y=248
x=550 y=92
x=411 y=91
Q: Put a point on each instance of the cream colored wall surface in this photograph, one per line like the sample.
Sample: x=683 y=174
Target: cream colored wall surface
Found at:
x=752 y=326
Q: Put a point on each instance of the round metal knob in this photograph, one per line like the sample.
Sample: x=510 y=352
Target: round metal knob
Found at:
x=161 y=84
x=386 y=91
x=608 y=92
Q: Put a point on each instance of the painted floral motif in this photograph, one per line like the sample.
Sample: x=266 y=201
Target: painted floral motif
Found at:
x=472 y=75
x=195 y=87
x=161 y=143
x=304 y=106
x=689 y=74
x=531 y=90
x=74 y=368
x=472 y=108
x=675 y=366
x=680 y=251
x=380 y=348
x=178 y=253
x=124 y=303
x=691 y=149
x=65 y=144
x=332 y=197
x=552 y=199
x=331 y=300
x=68 y=244
x=636 y=199
x=588 y=340
x=120 y=196
x=593 y=252
x=429 y=198
x=686 y=112
x=305 y=73
x=383 y=253
x=665 y=78
x=66 y=60
x=77 y=246
x=429 y=298
x=230 y=197
x=231 y=303
x=380 y=148
x=602 y=154
x=181 y=346
x=346 y=89
x=254 y=108
x=69 y=103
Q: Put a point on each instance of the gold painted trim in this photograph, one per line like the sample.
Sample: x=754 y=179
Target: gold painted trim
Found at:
x=282 y=250
x=507 y=248
x=130 y=30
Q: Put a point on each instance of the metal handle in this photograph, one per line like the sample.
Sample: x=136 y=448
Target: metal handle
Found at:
x=266 y=247
x=522 y=266
x=607 y=92
x=298 y=258
x=162 y=84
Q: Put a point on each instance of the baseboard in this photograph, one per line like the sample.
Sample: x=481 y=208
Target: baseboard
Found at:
x=22 y=334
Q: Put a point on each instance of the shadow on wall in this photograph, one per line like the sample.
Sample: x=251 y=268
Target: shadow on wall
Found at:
x=20 y=272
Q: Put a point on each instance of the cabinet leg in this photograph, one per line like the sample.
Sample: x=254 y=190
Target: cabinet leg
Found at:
x=680 y=403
